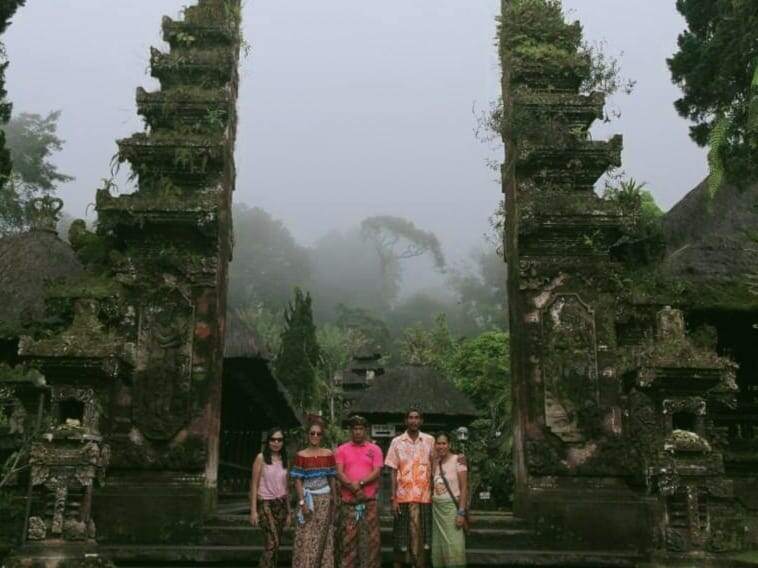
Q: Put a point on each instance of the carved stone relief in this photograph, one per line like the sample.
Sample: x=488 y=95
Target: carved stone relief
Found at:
x=163 y=394
x=569 y=364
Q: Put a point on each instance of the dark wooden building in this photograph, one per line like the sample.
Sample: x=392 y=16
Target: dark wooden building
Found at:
x=253 y=401
x=386 y=401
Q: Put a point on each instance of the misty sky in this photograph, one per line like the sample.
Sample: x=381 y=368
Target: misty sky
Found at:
x=348 y=108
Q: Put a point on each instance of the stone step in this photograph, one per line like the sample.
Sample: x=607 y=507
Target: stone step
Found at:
x=488 y=519
x=233 y=556
x=490 y=538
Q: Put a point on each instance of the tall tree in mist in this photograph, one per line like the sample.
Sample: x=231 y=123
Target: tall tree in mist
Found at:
x=395 y=239
x=346 y=270
x=267 y=264
x=480 y=288
x=716 y=67
x=299 y=353
x=32 y=139
x=7 y=9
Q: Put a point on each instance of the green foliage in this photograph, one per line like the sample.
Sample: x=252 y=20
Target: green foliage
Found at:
x=481 y=289
x=299 y=353
x=717 y=142
x=7 y=9
x=32 y=139
x=268 y=324
x=715 y=68
x=267 y=262
x=481 y=367
x=539 y=47
x=373 y=329
x=429 y=347
x=636 y=201
x=338 y=346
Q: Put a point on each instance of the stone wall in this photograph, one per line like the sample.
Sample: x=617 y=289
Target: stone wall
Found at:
x=615 y=446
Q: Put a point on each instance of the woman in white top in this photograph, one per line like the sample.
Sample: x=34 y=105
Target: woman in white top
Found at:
x=449 y=499
x=269 y=502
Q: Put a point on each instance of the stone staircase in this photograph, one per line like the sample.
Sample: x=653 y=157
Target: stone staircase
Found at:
x=496 y=539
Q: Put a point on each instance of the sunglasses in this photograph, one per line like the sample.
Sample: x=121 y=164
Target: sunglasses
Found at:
x=319 y=434
x=276 y=439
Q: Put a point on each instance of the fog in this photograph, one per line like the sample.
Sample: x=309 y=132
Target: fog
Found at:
x=347 y=108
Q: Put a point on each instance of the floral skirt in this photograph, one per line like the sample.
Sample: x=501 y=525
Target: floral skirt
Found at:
x=360 y=543
x=314 y=539
x=273 y=517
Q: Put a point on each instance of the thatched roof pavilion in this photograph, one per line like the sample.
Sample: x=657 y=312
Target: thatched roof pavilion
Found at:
x=28 y=263
x=387 y=400
x=712 y=247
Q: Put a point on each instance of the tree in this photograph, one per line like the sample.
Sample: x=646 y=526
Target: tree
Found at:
x=346 y=270
x=7 y=9
x=715 y=67
x=481 y=369
x=338 y=346
x=396 y=239
x=268 y=263
x=32 y=139
x=299 y=353
x=481 y=289
x=373 y=329
x=432 y=347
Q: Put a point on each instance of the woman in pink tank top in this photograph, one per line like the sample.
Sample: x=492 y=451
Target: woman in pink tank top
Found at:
x=269 y=502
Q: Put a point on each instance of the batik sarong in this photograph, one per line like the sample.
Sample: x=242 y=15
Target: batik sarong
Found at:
x=314 y=538
x=360 y=545
x=272 y=515
x=448 y=541
x=412 y=534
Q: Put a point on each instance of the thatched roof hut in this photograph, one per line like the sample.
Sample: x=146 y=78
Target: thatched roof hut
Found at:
x=28 y=263
x=249 y=385
x=712 y=247
x=391 y=394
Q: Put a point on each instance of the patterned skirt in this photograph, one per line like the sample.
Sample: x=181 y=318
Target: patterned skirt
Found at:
x=448 y=541
x=360 y=545
x=273 y=517
x=314 y=539
x=412 y=533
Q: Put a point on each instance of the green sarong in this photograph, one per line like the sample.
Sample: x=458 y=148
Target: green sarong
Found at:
x=448 y=541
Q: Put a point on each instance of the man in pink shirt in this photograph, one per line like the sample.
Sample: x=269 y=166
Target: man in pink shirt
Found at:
x=359 y=463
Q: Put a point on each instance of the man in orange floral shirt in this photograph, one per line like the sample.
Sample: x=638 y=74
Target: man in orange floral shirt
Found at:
x=410 y=457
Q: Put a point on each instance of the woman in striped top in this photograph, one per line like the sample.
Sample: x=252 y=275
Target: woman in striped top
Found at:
x=314 y=471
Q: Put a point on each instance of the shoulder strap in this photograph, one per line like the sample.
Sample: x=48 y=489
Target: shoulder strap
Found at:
x=447 y=486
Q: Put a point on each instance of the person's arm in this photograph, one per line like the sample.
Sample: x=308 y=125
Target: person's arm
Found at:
x=343 y=479
x=257 y=469
x=395 y=504
x=393 y=463
x=300 y=494
x=463 y=498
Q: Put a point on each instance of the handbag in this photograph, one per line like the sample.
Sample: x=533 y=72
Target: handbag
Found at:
x=466 y=519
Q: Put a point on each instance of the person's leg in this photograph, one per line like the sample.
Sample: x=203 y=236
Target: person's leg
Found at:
x=416 y=535
x=270 y=535
x=349 y=537
x=373 y=536
x=400 y=537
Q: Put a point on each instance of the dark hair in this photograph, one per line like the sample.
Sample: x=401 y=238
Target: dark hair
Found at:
x=267 y=449
x=443 y=433
x=415 y=409
x=316 y=421
x=356 y=420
